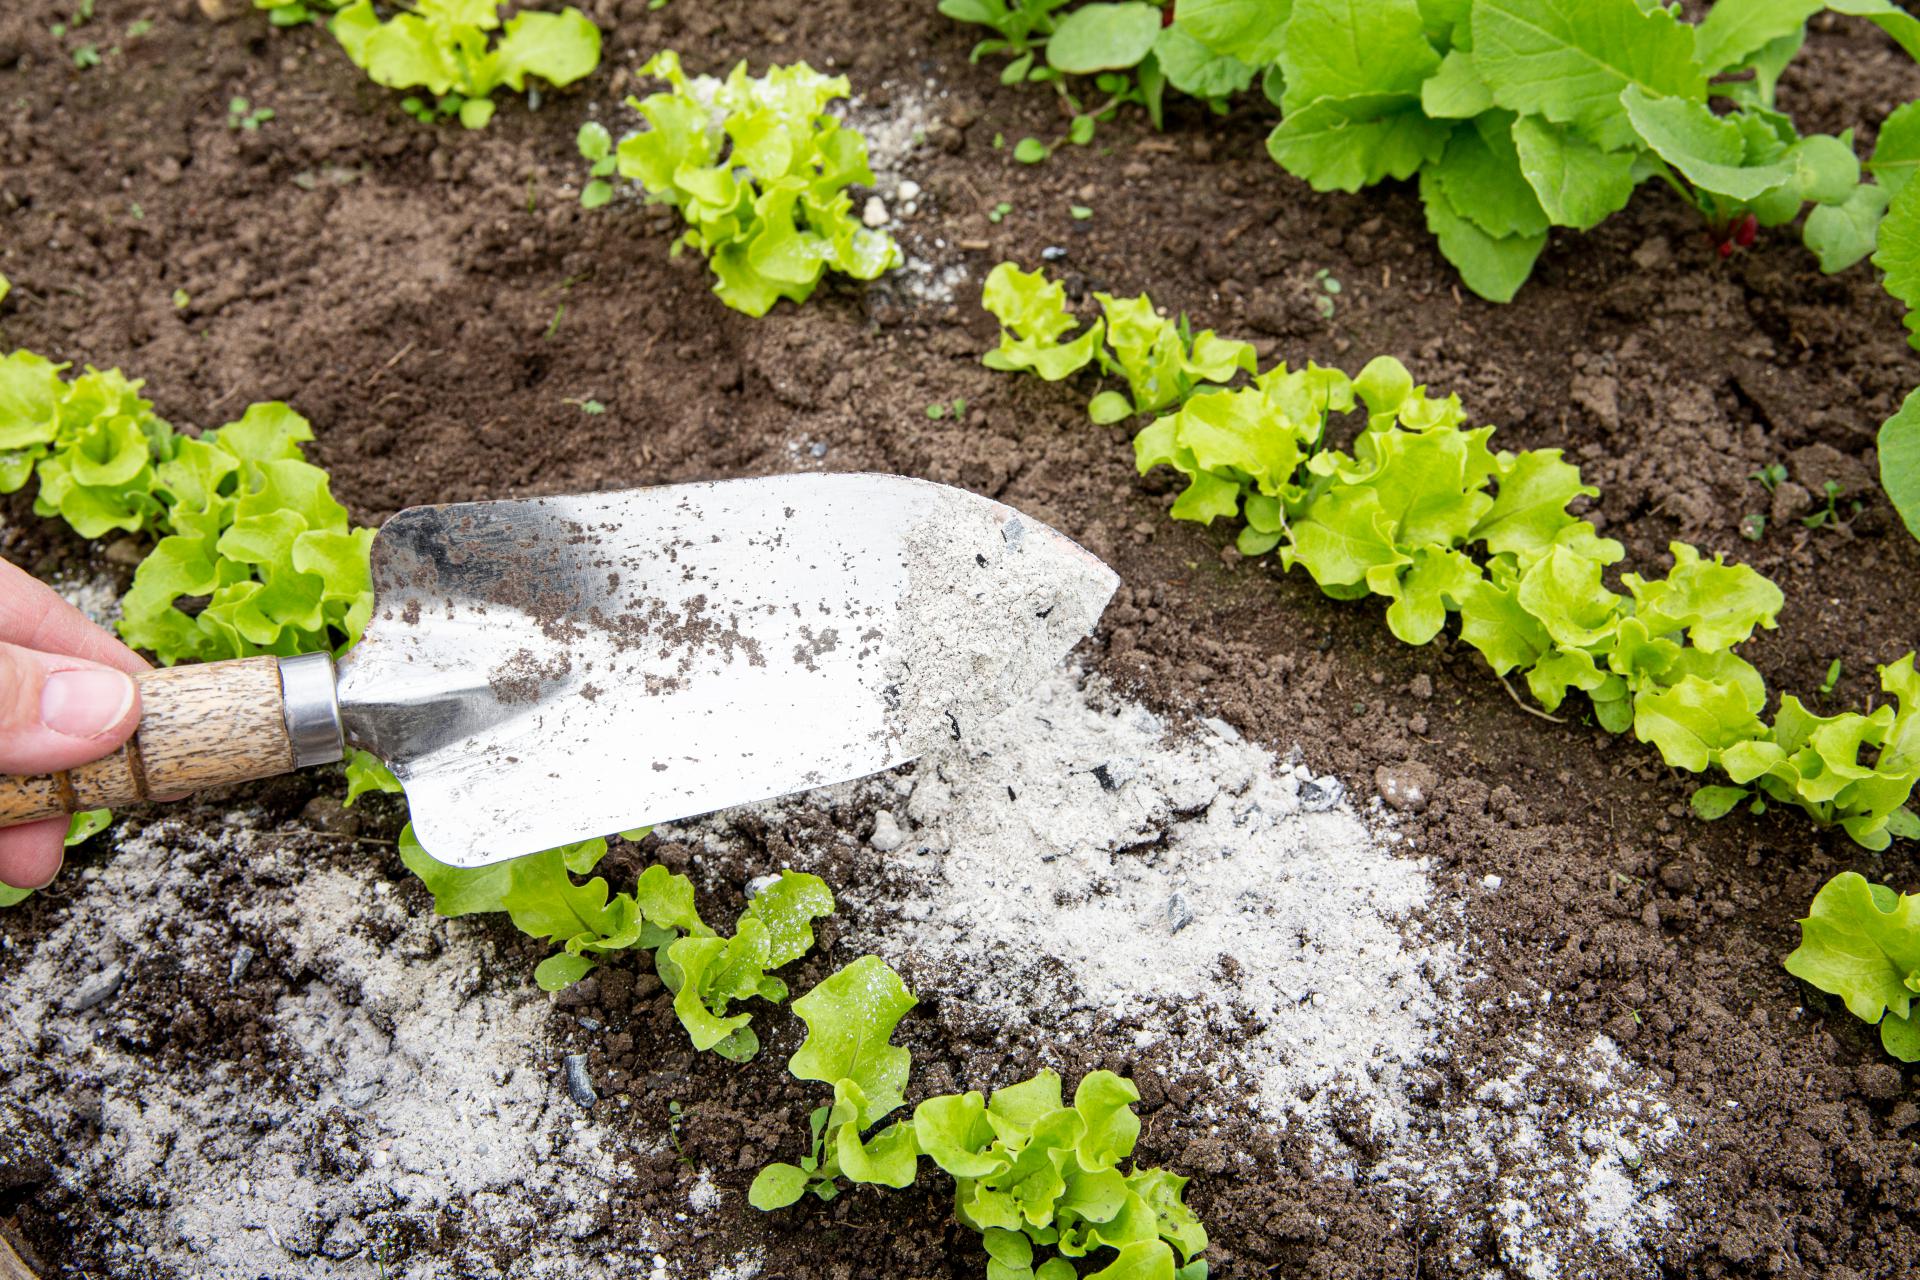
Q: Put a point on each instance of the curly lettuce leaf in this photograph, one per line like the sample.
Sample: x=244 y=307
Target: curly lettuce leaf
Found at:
x=774 y=216
x=456 y=49
x=1861 y=942
x=850 y=1019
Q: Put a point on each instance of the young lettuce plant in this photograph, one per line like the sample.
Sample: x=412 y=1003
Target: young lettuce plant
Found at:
x=252 y=528
x=247 y=522
x=759 y=169
x=1861 y=942
x=1030 y=1172
x=706 y=973
x=1424 y=514
x=1162 y=361
x=448 y=48
x=92 y=443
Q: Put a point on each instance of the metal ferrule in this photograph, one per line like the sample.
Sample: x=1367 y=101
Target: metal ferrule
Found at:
x=312 y=709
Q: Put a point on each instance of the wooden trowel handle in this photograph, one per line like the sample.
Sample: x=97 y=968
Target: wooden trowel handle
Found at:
x=200 y=726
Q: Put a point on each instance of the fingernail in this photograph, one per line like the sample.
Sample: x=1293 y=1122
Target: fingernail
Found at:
x=85 y=704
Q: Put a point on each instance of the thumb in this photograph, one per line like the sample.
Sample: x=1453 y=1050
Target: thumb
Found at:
x=58 y=712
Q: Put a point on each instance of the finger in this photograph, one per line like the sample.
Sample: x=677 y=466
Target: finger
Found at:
x=30 y=855
x=32 y=614
x=58 y=712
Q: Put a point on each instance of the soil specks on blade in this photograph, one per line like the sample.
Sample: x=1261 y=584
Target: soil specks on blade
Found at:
x=522 y=678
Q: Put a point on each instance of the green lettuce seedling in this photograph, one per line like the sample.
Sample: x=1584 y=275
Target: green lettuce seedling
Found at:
x=706 y=973
x=255 y=531
x=93 y=444
x=1029 y=1170
x=1425 y=514
x=759 y=169
x=1162 y=360
x=850 y=1020
x=1861 y=942
x=449 y=48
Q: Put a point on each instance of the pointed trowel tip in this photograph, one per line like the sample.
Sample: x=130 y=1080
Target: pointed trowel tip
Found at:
x=994 y=602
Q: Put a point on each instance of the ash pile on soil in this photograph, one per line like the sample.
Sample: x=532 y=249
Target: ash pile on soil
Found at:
x=1079 y=873
x=1028 y=594
x=402 y=1102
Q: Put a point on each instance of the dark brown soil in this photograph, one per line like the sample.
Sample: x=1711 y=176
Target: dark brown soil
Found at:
x=437 y=304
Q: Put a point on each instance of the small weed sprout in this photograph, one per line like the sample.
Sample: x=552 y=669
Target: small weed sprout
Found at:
x=242 y=114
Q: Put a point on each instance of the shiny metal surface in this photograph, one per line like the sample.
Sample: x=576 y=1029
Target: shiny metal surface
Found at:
x=546 y=670
x=311 y=709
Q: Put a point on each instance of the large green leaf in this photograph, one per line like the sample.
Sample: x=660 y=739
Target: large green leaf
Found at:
x=1480 y=173
x=1578 y=184
x=1103 y=37
x=1569 y=60
x=1193 y=68
x=1344 y=144
x=1735 y=30
x=1896 y=151
x=1899 y=448
x=1899 y=254
x=1250 y=31
x=1710 y=150
x=1351 y=48
x=1492 y=266
x=1455 y=91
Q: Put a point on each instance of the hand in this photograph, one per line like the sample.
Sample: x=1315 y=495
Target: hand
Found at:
x=66 y=697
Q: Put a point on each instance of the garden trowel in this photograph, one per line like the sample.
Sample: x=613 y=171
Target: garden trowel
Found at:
x=544 y=670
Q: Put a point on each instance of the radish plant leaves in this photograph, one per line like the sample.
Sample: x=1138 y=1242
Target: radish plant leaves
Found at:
x=1523 y=115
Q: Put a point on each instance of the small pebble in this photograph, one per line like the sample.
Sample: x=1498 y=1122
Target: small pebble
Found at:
x=1405 y=786
x=886 y=832
x=97 y=989
x=1179 y=914
x=237 y=967
x=1491 y=882
x=908 y=190
x=1222 y=728
x=875 y=214
x=579 y=1086
x=1317 y=795
x=1053 y=253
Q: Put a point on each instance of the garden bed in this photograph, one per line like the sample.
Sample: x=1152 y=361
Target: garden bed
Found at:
x=1532 y=1019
